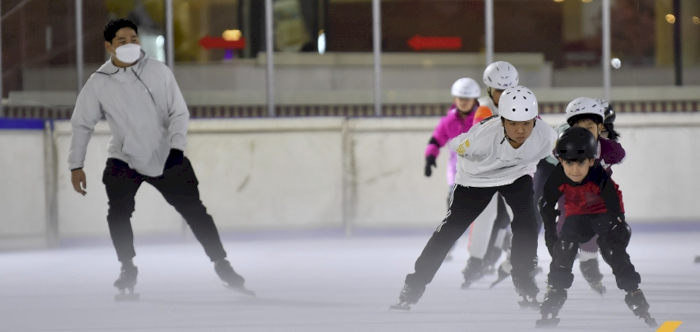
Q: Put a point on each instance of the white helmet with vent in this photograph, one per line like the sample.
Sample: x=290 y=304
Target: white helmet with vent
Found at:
x=584 y=105
x=518 y=103
x=466 y=88
x=501 y=75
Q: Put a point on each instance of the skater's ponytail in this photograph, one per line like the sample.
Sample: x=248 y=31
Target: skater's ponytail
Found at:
x=612 y=134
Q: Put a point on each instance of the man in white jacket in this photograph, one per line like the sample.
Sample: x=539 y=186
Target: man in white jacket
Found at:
x=498 y=155
x=148 y=118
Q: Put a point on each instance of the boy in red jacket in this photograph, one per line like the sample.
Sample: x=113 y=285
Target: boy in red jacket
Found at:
x=594 y=206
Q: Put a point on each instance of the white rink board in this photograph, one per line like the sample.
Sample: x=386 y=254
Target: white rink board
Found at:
x=299 y=173
x=22 y=183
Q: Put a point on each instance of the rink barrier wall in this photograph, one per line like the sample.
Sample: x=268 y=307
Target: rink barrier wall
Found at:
x=27 y=194
x=309 y=173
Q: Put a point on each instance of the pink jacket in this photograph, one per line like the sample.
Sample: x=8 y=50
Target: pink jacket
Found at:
x=450 y=126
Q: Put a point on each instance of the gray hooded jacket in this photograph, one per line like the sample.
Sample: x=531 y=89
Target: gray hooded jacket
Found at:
x=144 y=108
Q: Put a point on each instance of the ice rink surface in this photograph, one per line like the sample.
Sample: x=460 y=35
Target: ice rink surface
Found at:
x=324 y=283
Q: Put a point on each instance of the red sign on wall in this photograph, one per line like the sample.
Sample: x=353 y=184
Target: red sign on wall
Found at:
x=218 y=42
x=422 y=43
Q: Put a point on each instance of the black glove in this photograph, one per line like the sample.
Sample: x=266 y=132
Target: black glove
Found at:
x=620 y=218
x=547 y=211
x=620 y=230
x=175 y=158
x=429 y=161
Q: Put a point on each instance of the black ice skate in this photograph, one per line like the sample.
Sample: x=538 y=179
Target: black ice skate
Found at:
x=640 y=307
x=230 y=278
x=409 y=295
x=527 y=288
x=473 y=272
x=126 y=281
x=503 y=272
x=592 y=274
x=553 y=302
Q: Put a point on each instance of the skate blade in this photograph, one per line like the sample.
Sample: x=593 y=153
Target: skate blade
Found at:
x=399 y=307
x=466 y=285
x=498 y=281
x=599 y=288
x=547 y=323
x=241 y=290
x=126 y=297
x=650 y=321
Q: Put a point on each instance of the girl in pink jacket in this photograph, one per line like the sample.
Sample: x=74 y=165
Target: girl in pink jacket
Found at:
x=459 y=120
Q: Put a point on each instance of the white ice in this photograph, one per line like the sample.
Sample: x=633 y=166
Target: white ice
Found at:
x=323 y=284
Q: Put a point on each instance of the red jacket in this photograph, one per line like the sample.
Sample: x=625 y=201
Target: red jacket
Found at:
x=597 y=193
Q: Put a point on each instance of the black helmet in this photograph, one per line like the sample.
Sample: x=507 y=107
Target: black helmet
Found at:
x=576 y=143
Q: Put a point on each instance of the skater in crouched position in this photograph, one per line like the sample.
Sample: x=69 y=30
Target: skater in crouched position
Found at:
x=498 y=155
x=593 y=207
x=148 y=118
x=591 y=114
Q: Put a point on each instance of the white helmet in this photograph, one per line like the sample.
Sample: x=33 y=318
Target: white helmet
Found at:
x=518 y=103
x=584 y=105
x=466 y=88
x=501 y=75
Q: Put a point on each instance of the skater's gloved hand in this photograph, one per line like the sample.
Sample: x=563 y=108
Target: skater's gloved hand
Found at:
x=175 y=158
x=429 y=162
x=621 y=218
x=547 y=211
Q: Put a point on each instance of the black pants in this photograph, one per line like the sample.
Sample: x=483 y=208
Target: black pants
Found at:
x=544 y=170
x=612 y=239
x=467 y=204
x=178 y=185
x=493 y=252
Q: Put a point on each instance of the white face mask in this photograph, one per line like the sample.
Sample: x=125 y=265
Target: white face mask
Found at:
x=128 y=53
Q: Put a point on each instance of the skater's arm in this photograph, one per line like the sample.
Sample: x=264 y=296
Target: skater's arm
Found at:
x=552 y=191
x=550 y=197
x=611 y=196
x=472 y=142
x=546 y=205
x=178 y=113
x=437 y=140
x=463 y=145
x=86 y=114
x=612 y=152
